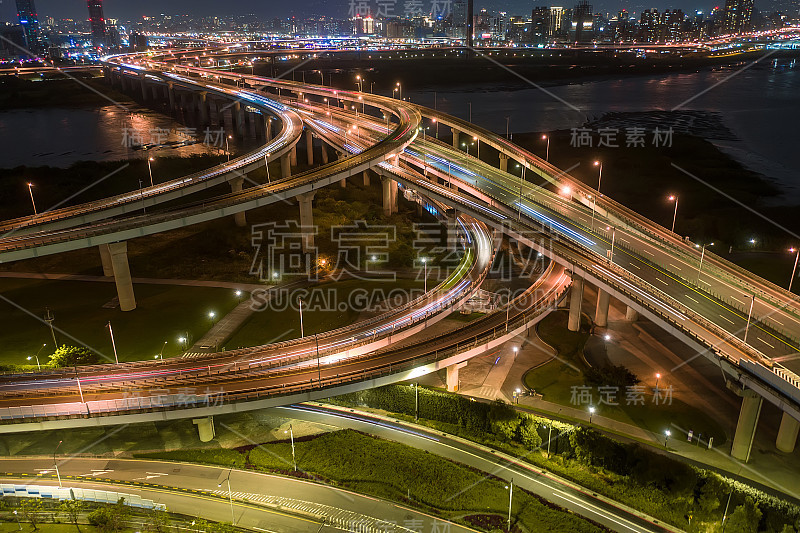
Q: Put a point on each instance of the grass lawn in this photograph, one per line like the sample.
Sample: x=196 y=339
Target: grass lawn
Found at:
x=398 y=472
x=163 y=313
x=273 y=325
x=556 y=379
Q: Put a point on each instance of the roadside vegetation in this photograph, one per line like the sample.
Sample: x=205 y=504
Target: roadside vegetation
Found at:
x=400 y=473
x=691 y=498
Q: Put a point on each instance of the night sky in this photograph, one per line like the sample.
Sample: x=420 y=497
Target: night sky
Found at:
x=127 y=9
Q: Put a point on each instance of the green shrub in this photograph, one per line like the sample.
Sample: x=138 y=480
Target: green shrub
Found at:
x=72 y=356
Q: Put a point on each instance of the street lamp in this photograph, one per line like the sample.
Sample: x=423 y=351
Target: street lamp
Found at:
x=794 y=270
x=591 y=413
x=510 y=488
x=238 y=294
x=37 y=357
x=613 y=240
x=113 y=344
x=230 y=495
x=400 y=89
x=749 y=317
x=161 y=353
x=599 y=180
x=30 y=190
x=674 y=198
x=211 y=315
x=702 y=256
x=227 y=146
x=182 y=340
x=55 y=464
x=478 y=141
x=658 y=377
x=547 y=150
x=667 y=433
x=291 y=436
x=302 y=332
x=150 y=169
x=266 y=164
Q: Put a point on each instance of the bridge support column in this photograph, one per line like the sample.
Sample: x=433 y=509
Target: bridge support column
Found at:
x=631 y=315
x=237 y=184
x=503 y=162
x=452 y=376
x=456 y=138
x=746 y=426
x=144 y=86
x=293 y=156
x=309 y=147
x=601 y=314
x=202 y=105
x=787 y=434
x=324 y=153
x=366 y=178
x=205 y=428
x=155 y=92
x=286 y=166
x=575 y=301
x=105 y=259
x=171 y=96
x=269 y=127
x=307 y=219
x=238 y=118
x=122 y=275
x=389 y=196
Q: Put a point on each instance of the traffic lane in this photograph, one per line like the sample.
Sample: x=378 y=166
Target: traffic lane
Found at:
x=208 y=478
x=201 y=506
x=523 y=475
x=345 y=370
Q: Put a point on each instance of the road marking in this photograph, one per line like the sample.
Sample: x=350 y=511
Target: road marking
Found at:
x=96 y=473
x=674 y=266
x=728 y=319
x=765 y=342
x=635 y=265
x=737 y=299
x=649 y=252
x=624 y=240
x=704 y=281
x=692 y=299
x=774 y=320
x=152 y=475
x=662 y=281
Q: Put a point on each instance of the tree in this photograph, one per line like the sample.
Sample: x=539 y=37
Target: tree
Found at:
x=745 y=517
x=73 y=509
x=528 y=433
x=30 y=508
x=72 y=356
x=110 y=518
x=157 y=521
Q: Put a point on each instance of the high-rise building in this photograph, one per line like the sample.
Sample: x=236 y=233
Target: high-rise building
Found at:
x=556 y=15
x=459 y=11
x=98 y=23
x=582 y=27
x=738 y=15
x=29 y=20
x=540 y=24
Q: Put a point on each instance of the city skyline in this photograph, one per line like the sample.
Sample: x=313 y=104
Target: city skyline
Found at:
x=340 y=8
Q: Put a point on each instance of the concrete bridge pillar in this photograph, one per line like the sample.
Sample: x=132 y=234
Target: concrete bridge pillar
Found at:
x=452 y=376
x=456 y=139
x=238 y=118
x=155 y=92
x=286 y=166
x=202 y=104
x=746 y=426
x=105 y=259
x=389 y=196
x=575 y=301
x=293 y=155
x=205 y=428
x=307 y=219
x=631 y=314
x=182 y=101
x=144 y=86
x=269 y=128
x=237 y=184
x=171 y=96
x=601 y=314
x=366 y=178
x=787 y=433
x=504 y=162
x=309 y=147
x=122 y=275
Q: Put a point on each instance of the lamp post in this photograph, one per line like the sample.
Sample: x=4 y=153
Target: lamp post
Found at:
x=425 y=265
x=794 y=270
x=749 y=317
x=667 y=433
x=302 y=331
x=702 y=256
x=266 y=164
x=227 y=146
x=150 y=169
x=113 y=344
x=591 y=413
x=55 y=464
x=161 y=353
x=33 y=203
x=230 y=495
x=658 y=378
x=478 y=142
x=613 y=241
x=291 y=436
x=211 y=315
x=510 y=500
x=37 y=357
x=547 y=150
x=400 y=89
x=674 y=198
x=599 y=180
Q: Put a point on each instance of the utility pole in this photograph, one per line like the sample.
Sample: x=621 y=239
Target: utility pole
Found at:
x=48 y=317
